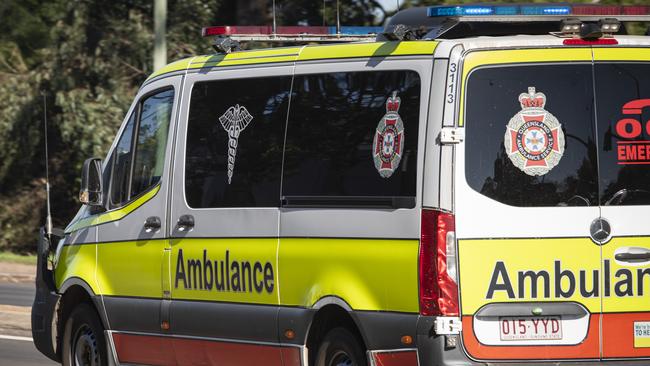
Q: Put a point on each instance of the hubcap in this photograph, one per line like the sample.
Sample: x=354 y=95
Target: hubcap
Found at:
x=340 y=359
x=85 y=348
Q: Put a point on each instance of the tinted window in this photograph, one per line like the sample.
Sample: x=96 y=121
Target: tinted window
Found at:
x=234 y=142
x=353 y=134
x=129 y=176
x=623 y=99
x=550 y=157
x=122 y=165
x=155 y=114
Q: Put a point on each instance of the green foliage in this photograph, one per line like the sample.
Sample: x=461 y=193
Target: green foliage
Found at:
x=89 y=56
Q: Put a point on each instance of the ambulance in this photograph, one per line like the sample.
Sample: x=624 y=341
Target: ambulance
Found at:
x=468 y=186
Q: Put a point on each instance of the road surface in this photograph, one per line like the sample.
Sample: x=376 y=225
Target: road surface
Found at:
x=19 y=351
x=17 y=294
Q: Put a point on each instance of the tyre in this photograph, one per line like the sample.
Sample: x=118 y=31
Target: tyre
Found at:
x=83 y=339
x=340 y=347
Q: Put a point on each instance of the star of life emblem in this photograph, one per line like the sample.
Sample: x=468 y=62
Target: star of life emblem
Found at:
x=234 y=121
x=534 y=140
x=388 y=143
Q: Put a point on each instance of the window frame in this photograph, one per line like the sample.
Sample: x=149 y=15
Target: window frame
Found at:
x=464 y=108
x=367 y=201
x=137 y=110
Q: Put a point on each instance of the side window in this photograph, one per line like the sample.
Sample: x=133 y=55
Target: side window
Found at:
x=138 y=157
x=352 y=135
x=122 y=158
x=234 y=142
x=155 y=114
x=623 y=100
x=530 y=138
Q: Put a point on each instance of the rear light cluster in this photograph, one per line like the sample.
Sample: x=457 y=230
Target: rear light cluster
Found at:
x=437 y=264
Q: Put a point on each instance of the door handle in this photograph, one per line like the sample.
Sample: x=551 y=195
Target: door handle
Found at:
x=152 y=223
x=185 y=222
x=632 y=255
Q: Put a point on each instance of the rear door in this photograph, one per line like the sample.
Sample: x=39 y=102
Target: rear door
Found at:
x=623 y=102
x=526 y=195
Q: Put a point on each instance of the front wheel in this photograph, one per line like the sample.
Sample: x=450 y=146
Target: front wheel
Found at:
x=340 y=348
x=83 y=339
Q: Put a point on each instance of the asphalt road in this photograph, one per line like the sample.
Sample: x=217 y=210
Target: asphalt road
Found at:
x=21 y=353
x=17 y=294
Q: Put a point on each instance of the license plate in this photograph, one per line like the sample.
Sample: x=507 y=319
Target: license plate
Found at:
x=524 y=328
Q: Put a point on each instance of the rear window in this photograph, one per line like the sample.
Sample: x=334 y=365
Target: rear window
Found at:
x=623 y=99
x=530 y=138
x=352 y=135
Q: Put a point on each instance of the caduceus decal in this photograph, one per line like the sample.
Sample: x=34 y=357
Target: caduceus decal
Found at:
x=234 y=121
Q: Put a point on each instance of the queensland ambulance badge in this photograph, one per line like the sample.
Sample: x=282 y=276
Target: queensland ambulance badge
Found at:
x=534 y=139
x=388 y=144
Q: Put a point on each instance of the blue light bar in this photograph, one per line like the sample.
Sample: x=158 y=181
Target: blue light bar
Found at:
x=474 y=10
x=354 y=30
x=456 y=11
x=544 y=10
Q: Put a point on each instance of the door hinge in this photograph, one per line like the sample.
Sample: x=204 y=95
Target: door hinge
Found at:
x=452 y=135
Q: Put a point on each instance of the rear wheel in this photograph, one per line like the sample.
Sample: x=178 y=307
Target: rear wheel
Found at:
x=340 y=347
x=83 y=339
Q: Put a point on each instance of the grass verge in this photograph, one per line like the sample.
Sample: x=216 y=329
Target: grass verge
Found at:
x=17 y=258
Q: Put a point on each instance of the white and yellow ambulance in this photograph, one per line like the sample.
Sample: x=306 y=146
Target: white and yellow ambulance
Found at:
x=471 y=188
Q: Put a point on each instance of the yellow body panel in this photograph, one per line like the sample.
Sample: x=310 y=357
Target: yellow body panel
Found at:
x=77 y=261
x=375 y=49
x=625 y=277
x=113 y=215
x=622 y=54
x=186 y=285
x=499 y=57
x=131 y=268
x=305 y=53
x=479 y=260
x=367 y=274
x=179 y=65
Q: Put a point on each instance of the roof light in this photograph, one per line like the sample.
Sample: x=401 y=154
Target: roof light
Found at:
x=231 y=30
x=438 y=11
x=571 y=27
x=586 y=42
x=544 y=10
x=609 y=26
x=537 y=10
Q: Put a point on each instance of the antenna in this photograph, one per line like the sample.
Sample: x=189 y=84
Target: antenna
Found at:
x=274 y=24
x=48 y=219
x=338 y=19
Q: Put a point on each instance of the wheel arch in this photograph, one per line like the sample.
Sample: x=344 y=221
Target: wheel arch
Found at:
x=75 y=291
x=331 y=312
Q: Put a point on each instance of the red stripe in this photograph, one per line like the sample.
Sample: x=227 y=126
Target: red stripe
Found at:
x=171 y=351
x=618 y=335
x=589 y=348
x=404 y=358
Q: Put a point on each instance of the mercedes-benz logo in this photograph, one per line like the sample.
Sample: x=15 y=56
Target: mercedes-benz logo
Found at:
x=600 y=231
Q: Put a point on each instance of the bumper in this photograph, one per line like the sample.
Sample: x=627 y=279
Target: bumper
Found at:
x=45 y=301
x=433 y=351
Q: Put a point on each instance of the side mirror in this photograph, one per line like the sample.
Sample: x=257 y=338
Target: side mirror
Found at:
x=91 y=183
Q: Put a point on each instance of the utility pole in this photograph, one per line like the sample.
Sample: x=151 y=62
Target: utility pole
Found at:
x=160 y=28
